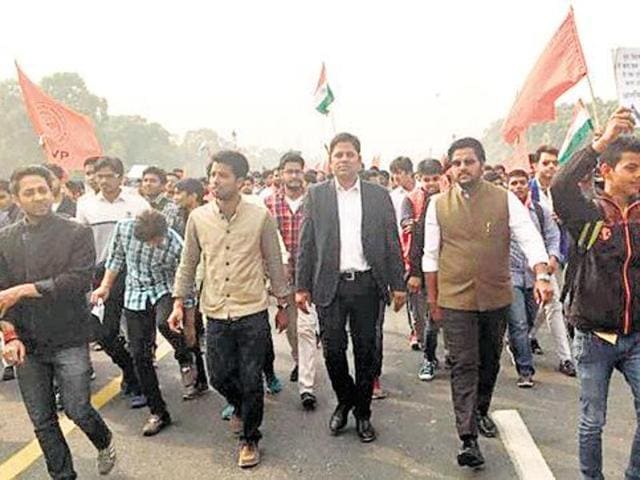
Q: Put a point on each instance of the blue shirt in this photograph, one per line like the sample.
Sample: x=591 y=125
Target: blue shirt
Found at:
x=150 y=269
x=521 y=274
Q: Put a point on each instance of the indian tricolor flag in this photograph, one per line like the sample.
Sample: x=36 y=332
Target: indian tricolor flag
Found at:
x=580 y=128
x=323 y=95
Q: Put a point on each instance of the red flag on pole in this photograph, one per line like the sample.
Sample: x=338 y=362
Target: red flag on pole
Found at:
x=560 y=67
x=67 y=137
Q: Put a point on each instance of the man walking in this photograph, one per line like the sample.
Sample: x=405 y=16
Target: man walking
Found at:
x=349 y=260
x=238 y=245
x=605 y=287
x=286 y=207
x=46 y=267
x=466 y=265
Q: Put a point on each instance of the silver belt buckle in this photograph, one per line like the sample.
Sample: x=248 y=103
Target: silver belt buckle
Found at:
x=349 y=276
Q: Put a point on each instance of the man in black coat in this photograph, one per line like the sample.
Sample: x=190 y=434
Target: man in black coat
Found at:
x=349 y=262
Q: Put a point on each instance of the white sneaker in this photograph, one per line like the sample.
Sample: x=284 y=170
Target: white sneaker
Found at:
x=107 y=458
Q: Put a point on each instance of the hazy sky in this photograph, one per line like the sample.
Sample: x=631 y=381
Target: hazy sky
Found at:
x=407 y=75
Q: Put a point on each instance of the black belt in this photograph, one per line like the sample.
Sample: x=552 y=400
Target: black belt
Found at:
x=352 y=275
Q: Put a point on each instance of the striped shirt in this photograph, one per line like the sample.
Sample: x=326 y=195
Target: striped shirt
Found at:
x=150 y=269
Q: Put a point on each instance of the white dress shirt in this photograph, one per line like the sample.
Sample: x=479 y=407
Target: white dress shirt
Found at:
x=350 y=221
x=522 y=229
x=398 y=195
x=102 y=215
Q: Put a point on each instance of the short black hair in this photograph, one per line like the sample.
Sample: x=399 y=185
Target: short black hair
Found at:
x=519 y=173
x=5 y=186
x=157 y=171
x=237 y=161
x=150 y=224
x=90 y=161
x=293 y=157
x=178 y=170
x=345 y=137
x=56 y=169
x=613 y=153
x=492 y=176
x=385 y=174
x=369 y=174
x=401 y=164
x=500 y=167
x=311 y=177
x=35 y=170
x=543 y=149
x=75 y=187
x=112 y=163
x=430 y=166
x=467 y=142
x=191 y=186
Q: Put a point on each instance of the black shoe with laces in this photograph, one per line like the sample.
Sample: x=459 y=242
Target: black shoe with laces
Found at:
x=470 y=455
x=486 y=426
x=567 y=368
x=308 y=400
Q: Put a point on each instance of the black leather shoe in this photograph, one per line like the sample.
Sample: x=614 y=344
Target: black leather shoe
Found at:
x=470 y=455
x=339 y=418
x=365 y=430
x=486 y=427
x=294 y=374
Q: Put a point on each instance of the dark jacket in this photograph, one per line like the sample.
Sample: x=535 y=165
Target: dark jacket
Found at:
x=604 y=284
x=58 y=256
x=318 y=265
x=11 y=215
x=67 y=207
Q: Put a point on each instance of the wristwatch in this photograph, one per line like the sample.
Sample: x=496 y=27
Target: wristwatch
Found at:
x=543 y=277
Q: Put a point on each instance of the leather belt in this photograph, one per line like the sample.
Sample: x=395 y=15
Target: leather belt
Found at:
x=353 y=275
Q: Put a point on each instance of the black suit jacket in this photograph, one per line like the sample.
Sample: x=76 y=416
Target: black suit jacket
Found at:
x=318 y=265
x=67 y=207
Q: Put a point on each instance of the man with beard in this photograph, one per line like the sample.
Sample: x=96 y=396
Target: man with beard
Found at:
x=466 y=264
x=46 y=267
x=237 y=244
x=153 y=189
x=286 y=207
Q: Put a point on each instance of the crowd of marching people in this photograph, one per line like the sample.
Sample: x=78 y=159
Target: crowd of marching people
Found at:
x=481 y=256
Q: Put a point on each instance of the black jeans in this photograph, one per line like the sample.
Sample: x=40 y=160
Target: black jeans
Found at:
x=108 y=334
x=70 y=367
x=236 y=352
x=475 y=344
x=359 y=303
x=141 y=327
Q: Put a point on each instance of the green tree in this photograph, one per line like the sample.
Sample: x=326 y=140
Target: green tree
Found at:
x=70 y=89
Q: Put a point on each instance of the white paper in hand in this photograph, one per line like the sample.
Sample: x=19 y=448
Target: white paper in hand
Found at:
x=98 y=310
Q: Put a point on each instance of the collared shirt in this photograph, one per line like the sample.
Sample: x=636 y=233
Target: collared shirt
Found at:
x=522 y=229
x=289 y=223
x=150 y=269
x=102 y=215
x=521 y=273
x=237 y=254
x=169 y=209
x=350 y=222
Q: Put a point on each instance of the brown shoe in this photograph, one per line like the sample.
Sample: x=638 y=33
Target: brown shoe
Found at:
x=236 y=425
x=155 y=423
x=249 y=455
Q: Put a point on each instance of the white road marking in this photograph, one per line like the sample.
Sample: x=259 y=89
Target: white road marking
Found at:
x=523 y=451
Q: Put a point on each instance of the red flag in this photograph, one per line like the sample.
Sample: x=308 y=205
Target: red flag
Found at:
x=67 y=136
x=560 y=67
x=520 y=157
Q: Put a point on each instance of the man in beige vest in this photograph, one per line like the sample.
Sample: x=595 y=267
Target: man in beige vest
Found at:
x=466 y=263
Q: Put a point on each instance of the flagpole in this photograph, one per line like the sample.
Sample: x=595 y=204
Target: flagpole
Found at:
x=333 y=121
x=594 y=103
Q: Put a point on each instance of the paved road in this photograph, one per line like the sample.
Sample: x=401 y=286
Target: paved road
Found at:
x=415 y=427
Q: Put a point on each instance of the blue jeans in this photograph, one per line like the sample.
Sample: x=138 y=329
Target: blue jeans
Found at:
x=70 y=368
x=521 y=313
x=596 y=359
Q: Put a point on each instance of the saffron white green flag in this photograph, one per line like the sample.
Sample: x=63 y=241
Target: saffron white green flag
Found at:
x=323 y=95
x=580 y=128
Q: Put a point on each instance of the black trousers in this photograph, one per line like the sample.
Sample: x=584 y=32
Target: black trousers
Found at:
x=236 y=352
x=357 y=302
x=141 y=328
x=475 y=345
x=108 y=335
